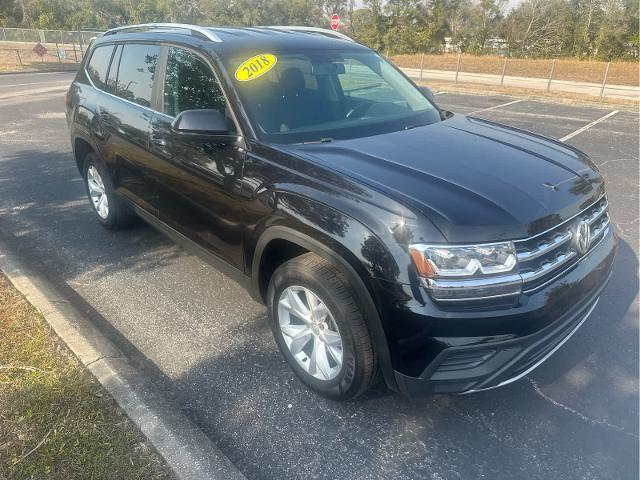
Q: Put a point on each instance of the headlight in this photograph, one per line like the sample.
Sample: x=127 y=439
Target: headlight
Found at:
x=467 y=272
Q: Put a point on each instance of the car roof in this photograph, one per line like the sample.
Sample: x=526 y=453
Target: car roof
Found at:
x=228 y=40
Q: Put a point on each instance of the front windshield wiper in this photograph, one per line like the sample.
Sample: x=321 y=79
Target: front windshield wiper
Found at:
x=322 y=140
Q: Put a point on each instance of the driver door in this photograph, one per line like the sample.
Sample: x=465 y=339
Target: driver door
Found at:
x=199 y=176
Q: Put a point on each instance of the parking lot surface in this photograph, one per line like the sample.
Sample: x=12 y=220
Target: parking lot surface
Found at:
x=203 y=341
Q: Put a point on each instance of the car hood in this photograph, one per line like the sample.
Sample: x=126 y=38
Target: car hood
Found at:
x=475 y=180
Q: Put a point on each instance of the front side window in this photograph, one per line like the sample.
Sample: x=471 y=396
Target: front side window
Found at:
x=190 y=84
x=99 y=64
x=310 y=96
x=136 y=72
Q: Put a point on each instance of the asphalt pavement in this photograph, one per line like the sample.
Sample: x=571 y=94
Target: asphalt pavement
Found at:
x=205 y=343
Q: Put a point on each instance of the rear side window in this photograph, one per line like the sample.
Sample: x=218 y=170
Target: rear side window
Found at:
x=136 y=73
x=190 y=84
x=99 y=64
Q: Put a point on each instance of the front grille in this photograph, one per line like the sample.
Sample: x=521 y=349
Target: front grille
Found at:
x=545 y=256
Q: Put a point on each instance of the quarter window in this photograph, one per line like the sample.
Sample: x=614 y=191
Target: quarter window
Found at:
x=136 y=72
x=99 y=64
x=190 y=84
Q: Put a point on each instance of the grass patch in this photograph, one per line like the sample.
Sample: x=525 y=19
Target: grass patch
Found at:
x=56 y=420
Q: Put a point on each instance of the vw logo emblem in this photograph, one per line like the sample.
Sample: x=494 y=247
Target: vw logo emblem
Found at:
x=583 y=234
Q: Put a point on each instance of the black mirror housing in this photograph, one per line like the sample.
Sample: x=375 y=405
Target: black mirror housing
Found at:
x=427 y=92
x=201 y=122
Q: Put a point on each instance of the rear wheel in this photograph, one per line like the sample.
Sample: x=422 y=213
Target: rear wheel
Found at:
x=111 y=210
x=320 y=328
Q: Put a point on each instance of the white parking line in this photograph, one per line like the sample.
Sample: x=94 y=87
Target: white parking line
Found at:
x=496 y=106
x=33 y=83
x=587 y=127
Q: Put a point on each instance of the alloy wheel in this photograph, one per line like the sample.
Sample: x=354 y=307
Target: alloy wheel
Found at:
x=310 y=332
x=97 y=192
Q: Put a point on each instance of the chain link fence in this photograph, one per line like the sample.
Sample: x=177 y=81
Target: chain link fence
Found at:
x=61 y=37
x=62 y=48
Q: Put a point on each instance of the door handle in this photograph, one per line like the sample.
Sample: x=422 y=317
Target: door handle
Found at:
x=160 y=142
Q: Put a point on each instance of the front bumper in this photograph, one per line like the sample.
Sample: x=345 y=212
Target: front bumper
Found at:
x=463 y=352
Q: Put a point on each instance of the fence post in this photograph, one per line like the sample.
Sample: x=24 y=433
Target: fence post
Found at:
x=61 y=40
x=4 y=34
x=604 y=80
x=19 y=59
x=75 y=54
x=387 y=53
x=504 y=71
x=81 y=43
x=458 y=64
x=421 y=65
x=23 y=39
x=551 y=72
x=58 y=52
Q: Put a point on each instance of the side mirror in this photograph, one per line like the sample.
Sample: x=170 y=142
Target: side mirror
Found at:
x=427 y=92
x=201 y=122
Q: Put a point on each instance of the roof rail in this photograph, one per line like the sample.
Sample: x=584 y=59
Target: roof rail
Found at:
x=322 y=31
x=193 y=29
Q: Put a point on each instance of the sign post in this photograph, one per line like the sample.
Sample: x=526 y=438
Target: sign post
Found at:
x=335 y=21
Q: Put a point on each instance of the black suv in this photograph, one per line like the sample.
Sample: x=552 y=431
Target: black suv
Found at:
x=387 y=237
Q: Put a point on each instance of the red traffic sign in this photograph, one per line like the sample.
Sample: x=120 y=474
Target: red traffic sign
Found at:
x=39 y=49
x=335 y=21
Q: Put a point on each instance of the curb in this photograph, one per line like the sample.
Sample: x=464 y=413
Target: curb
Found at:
x=186 y=449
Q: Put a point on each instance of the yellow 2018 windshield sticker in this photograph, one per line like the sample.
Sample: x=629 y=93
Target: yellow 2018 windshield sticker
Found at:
x=255 y=67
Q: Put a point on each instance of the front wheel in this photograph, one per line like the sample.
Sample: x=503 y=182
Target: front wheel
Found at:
x=320 y=328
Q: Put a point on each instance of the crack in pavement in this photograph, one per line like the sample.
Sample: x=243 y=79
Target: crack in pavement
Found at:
x=575 y=412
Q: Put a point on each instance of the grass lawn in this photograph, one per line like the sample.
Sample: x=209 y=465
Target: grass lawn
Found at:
x=56 y=421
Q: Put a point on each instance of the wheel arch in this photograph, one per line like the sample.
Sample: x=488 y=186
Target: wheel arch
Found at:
x=81 y=148
x=355 y=273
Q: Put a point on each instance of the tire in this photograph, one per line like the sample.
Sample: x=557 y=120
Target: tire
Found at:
x=310 y=274
x=117 y=214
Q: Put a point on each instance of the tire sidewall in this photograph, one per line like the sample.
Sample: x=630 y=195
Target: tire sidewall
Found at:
x=344 y=383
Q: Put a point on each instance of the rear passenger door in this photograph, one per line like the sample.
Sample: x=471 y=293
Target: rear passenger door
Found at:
x=126 y=117
x=200 y=177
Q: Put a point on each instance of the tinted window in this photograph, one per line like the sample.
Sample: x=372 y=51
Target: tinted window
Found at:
x=98 y=65
x=190 y=84
x=136 y=72
x=113 y=71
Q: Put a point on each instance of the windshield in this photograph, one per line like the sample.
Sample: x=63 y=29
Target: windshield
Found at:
x=320 y=96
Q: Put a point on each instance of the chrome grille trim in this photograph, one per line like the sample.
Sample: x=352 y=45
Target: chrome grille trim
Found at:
x=598 y=213
x=545 y=247
x=554 y=249
x=559 y=274
x=548 y=267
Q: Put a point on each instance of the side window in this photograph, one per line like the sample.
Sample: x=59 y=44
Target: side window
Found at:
x=190 y=84
x=99 y=64
x=113 y=71
x=136 y=72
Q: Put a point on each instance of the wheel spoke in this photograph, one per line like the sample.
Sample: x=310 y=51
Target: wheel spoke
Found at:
x=332 y=338
x=296 y=306
x=321 y=361
x=291 y=330
x=299 y=341
x=320 y=312
x=311 y=299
